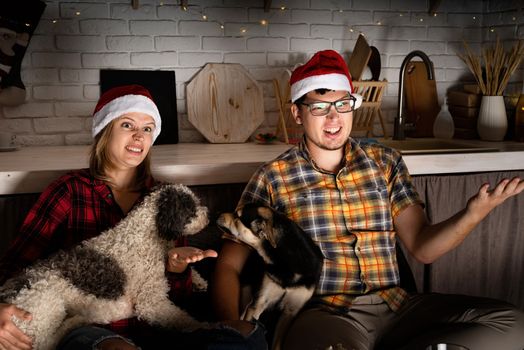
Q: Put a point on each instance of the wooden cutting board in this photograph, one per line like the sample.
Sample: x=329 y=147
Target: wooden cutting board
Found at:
x=359 y=58
x=421 y=99
x=225 y=103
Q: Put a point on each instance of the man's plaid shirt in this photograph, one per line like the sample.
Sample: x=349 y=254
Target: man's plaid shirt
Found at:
x=349 y=215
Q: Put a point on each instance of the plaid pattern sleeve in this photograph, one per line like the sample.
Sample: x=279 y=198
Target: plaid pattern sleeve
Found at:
x=348 y=214
x=256 y=189
x=71 y=209
x=400 y=186
x=38 y=229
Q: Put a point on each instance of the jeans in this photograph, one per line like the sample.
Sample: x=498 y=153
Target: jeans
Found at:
x=219 y=338
x=87 y=338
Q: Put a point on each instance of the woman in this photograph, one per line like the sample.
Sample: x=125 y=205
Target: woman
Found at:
x=84 y=203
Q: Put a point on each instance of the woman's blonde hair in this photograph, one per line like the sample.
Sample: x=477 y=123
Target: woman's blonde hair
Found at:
x=100 y=160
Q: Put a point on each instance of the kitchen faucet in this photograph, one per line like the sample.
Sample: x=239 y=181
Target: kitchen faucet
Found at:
x=400 y=122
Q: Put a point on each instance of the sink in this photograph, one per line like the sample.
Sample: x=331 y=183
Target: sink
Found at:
x=433 y=146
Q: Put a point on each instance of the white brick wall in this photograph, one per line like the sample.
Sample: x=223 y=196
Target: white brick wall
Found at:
x=61 y=66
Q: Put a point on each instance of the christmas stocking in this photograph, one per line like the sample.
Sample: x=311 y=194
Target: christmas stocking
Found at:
x=17 y=24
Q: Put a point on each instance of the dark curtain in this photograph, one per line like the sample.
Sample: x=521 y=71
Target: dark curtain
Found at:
x=490 y=261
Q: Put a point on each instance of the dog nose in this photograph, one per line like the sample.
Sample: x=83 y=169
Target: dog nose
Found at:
x=225 y=220
x=221 y=221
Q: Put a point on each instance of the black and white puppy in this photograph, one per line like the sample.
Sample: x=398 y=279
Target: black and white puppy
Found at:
x=293 y=262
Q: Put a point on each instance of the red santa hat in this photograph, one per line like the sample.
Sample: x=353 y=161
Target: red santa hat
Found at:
x=120 y=100
x=325 y=70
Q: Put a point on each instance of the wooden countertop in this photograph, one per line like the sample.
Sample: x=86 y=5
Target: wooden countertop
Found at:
x=31 y=169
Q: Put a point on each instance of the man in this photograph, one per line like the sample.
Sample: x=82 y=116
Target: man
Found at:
x=354 y=199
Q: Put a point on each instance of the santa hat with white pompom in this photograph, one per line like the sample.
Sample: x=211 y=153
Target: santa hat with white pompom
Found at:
x=325 y=70
x=124 y=99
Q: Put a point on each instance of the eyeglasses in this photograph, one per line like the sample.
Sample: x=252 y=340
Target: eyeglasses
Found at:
x=320 y=109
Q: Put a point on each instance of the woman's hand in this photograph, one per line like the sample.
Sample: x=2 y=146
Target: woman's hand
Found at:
x=11 y=337
x=179 y=257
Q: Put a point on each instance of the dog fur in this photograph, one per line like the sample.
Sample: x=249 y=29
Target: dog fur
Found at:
x=292 y=261
x=116 y=275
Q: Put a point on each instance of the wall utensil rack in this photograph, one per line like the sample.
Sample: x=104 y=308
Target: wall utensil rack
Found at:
x=364 y=117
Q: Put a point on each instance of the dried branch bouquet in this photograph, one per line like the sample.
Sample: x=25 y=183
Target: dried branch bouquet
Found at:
x=494 y=67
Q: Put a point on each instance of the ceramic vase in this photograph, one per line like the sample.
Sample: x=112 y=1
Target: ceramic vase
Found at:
x=492 y=122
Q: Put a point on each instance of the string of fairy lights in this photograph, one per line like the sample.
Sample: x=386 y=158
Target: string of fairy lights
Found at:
x=200 y=13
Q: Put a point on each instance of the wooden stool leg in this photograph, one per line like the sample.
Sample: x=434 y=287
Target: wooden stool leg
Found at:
x=382 y=123
x=281 y=122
